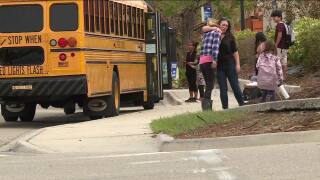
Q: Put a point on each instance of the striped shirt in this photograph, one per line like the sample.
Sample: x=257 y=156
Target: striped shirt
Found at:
x=210 y=44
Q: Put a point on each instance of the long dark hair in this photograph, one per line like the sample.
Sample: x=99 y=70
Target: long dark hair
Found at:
x=195 y=46
x=260 y=37
x=228 y=33
x=270 y=47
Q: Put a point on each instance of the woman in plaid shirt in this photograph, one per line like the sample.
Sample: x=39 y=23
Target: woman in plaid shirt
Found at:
x=208 y=61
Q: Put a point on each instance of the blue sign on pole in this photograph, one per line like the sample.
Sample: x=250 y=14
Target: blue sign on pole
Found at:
x=174 y=70
x=206 y=12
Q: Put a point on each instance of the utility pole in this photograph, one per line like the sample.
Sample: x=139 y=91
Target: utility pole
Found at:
x=243 y=25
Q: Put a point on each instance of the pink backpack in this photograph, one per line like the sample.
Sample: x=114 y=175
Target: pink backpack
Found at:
x=269 y=67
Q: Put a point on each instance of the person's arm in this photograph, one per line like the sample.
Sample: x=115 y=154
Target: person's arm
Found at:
x=209 y=28
x=235 y=54
x=278 y=39
x=279 y=29
x=237 y=58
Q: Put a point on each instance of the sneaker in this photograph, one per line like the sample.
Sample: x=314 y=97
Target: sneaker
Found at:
x=193 y=100
x=189 y=100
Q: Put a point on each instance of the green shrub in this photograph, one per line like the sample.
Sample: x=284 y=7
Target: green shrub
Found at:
x=245 y=34
x=245 y=40
x=270 y=34
x=182 y=82
x=306 y=48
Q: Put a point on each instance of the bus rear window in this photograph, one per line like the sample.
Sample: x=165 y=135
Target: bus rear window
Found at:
x=21 y=56
x=64 y=17
x=21 y=18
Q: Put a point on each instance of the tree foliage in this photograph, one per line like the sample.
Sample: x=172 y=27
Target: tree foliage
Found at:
x=294 y=9
x=306 y=49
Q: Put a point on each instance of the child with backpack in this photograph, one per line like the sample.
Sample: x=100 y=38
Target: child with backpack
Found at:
x=284 y=38
x=270 y=73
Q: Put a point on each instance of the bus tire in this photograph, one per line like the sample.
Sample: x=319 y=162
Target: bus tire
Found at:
x=113 y=101
x=95 y=108
x=69 y=108
x=149 y=104
x=6 y=114
x=28 y=113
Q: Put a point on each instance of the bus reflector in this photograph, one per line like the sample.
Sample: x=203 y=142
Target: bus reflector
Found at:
x=63 y=42
x=72 y=42
x=53 y=42
x=62 y=56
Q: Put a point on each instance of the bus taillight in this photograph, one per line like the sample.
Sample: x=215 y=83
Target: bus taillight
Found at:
x=72 y=42
x=62 y=57
x=63 y=42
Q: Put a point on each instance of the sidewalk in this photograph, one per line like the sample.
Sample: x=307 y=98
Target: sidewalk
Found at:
x=127 y=133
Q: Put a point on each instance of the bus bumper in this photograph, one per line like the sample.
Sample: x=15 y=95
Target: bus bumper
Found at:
x=43 y=87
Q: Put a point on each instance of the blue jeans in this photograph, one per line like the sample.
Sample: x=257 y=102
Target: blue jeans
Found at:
x=268 y=95
x=229 y=73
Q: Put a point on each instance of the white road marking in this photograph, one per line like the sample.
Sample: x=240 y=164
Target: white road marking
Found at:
x=4 y=155
x=220 y=168
x=213 y=156
x=145 y=162
x=140 y=154
x=224 y=175
x=202 y=170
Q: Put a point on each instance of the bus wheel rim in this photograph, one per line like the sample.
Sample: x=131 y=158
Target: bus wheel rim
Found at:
x=117 y=94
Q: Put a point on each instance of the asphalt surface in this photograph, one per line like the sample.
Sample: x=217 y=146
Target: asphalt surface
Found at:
x=295 y=161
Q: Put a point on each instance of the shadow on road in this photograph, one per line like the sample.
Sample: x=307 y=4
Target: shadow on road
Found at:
x=54 y=117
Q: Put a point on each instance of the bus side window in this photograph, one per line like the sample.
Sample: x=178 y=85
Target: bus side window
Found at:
x=107 y=15
x=91 y=14
x=142 y=25
x=129 y=21
x=125 y=20
x=134 y=18
x=86 y=15
x=101 y=14
x=121 y=19
x=111 y=17
x=116 y=18
x=139 y=23
x=96 y=13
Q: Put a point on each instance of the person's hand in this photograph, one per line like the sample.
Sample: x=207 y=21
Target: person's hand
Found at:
x=214 y=65
x=219 y=30
x=281 y=82
x=238 y=69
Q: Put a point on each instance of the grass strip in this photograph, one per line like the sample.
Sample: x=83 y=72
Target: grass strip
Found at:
x=184 y=123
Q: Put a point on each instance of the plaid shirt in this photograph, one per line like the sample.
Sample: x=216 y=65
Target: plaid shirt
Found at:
x=210 y=44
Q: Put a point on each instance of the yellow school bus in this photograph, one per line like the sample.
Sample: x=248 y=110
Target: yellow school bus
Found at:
x=65 y=52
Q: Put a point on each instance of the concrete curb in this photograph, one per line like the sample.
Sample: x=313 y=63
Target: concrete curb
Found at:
x=22 y=144
x=296 y=104
x=241 y=141
x=173 y=98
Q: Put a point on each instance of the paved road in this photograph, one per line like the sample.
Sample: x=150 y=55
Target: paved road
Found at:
x=44 y=118
x=295 y=161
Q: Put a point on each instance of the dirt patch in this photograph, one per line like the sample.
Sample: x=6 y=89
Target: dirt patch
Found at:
x=259 y=123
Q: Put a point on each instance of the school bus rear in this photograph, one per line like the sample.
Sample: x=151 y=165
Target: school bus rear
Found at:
x=39 y=63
